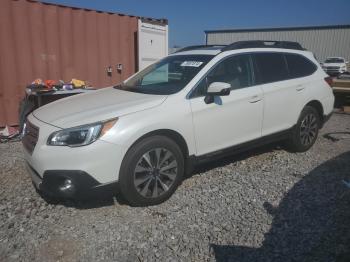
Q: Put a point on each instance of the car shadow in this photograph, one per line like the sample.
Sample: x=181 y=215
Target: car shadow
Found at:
x=311 y=223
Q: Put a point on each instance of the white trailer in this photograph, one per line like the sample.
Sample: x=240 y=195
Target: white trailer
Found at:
x=152 y=42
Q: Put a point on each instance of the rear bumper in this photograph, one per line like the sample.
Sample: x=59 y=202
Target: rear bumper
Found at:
x=71 y=184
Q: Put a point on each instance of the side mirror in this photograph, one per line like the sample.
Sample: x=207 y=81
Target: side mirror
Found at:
x=217 y=89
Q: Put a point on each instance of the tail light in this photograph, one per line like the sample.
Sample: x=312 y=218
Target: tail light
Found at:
x=329 y=81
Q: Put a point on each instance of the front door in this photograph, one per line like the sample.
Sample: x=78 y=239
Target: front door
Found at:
x=232 y=119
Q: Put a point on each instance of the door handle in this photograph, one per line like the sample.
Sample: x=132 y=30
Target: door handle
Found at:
x=254 y=99
x=300 y=88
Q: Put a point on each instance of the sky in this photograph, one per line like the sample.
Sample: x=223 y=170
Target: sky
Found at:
x=189 y=19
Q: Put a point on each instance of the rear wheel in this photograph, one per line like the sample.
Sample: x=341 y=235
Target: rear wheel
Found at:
x=151 y=171
x=306 y=130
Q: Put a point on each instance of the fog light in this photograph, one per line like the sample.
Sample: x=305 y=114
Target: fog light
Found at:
x=67 y=185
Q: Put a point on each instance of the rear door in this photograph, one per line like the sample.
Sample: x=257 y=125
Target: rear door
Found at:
x=281 y=93
x=232 y=119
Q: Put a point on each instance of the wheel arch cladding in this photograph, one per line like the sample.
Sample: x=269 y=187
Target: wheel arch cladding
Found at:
x=178 y=139
x=171 y=134
x=318 y=106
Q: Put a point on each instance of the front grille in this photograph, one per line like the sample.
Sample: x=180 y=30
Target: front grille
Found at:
x=332 y=67
x=30 y=137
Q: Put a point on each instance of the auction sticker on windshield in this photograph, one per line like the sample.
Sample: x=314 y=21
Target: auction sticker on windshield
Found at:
x=192 y=63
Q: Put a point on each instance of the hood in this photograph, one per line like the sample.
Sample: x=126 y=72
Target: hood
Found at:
x=95 y=106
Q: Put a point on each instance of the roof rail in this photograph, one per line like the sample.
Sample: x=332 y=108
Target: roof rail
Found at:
x=194 y=47
x=263 y=44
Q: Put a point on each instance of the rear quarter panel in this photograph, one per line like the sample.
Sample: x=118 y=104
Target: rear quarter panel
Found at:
x=318 y=89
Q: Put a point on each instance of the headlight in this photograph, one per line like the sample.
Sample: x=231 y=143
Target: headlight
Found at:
x=81 y=135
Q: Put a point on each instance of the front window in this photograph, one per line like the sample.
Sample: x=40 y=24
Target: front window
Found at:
x=334 y=60
x=168 y=76
x=235 y=70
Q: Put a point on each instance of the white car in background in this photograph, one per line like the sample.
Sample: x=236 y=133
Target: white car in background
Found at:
x=335 y=65
x=198 y=104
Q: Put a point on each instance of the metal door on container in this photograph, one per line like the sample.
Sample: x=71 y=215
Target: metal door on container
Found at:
x=153 y=43
x=232 y=119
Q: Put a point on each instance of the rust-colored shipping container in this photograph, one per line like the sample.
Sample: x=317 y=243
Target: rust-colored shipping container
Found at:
x=47 y=41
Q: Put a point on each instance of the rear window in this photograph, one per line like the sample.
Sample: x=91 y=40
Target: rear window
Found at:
x=271 y=67
x=299 y=66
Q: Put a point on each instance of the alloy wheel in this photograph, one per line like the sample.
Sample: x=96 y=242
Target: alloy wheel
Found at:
x=308 y=129
x=155 y=172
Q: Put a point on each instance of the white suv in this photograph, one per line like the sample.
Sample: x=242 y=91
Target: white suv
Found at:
x=142 y=136
x=335 y=65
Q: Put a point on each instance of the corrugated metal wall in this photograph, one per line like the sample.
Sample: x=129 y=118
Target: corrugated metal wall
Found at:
x=47 y=41
x=322 y=42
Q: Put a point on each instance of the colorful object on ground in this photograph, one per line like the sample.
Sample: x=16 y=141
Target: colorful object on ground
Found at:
x=78 y=83
x=8 y=133
x=38 y=81
x=40 y=86
x=68 y=87
x=50 y=83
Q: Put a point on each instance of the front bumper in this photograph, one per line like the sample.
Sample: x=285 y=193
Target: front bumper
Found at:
x=71 y=184
x=334 y=71
x=91 y=169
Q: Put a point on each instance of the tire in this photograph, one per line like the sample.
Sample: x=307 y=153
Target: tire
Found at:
x=151 y=171
x=305 y=132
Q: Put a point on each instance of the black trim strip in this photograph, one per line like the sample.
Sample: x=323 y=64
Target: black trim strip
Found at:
x=84 y=186
x=195 y=160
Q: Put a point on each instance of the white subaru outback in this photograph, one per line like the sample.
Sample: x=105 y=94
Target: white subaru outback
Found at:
x=142 y=136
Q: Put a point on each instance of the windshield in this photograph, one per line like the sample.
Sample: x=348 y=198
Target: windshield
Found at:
x=334 y=60
x=168 y=76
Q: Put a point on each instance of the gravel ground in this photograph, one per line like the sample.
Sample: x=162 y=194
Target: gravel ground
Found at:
x=264 y=205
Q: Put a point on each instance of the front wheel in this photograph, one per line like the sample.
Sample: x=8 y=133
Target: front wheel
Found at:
x=151 y=171
x=305 y=132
